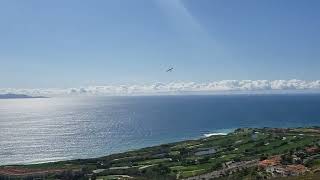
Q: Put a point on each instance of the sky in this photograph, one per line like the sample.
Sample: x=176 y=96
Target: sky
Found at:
x=77 y=43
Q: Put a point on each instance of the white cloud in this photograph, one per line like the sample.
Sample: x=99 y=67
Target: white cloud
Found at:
x=224 y=86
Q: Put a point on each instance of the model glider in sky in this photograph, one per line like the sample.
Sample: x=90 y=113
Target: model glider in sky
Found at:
x=169 y=70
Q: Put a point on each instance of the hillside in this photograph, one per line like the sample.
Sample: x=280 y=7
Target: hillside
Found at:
x=247 y=153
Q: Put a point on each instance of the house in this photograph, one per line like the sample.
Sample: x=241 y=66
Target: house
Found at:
x=276 y=170
x=296 y=159
x=312 y=150
x=273 y=161
x=289 y=170
x=295 y=170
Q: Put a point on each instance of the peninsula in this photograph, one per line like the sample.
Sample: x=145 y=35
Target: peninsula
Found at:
x=18 y=96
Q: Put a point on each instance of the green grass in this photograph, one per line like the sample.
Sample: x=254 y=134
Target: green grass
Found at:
x=112 y=177
x=186 y=174
x=154 y=161
x=192 y=167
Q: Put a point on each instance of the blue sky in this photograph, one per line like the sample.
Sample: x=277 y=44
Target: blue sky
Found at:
x=77 y=43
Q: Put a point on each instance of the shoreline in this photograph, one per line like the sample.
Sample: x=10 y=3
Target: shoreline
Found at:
x=212 y=156
x=196 y=137
x=258 y=151
x=218 y=132
x=206 y=134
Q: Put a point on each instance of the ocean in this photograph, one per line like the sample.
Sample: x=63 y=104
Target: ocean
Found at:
x=53 y=129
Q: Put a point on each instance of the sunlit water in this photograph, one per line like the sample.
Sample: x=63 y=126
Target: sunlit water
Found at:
x=42 y=130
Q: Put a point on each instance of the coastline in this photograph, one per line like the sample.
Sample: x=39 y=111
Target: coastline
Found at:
x=202 y=135
x=206 y=134
x=60 y=121
x=244 y=147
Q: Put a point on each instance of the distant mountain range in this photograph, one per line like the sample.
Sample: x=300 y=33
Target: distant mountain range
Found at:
x=18 y=96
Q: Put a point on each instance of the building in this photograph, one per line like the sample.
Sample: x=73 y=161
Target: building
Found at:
x=273 y=161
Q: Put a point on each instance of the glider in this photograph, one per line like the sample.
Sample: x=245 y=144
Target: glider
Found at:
x=169 y=70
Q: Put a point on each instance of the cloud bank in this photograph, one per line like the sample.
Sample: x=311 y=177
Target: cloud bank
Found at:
x=224 y=86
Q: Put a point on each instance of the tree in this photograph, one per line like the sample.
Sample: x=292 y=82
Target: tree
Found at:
x=286 y=159
x=263 y=157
